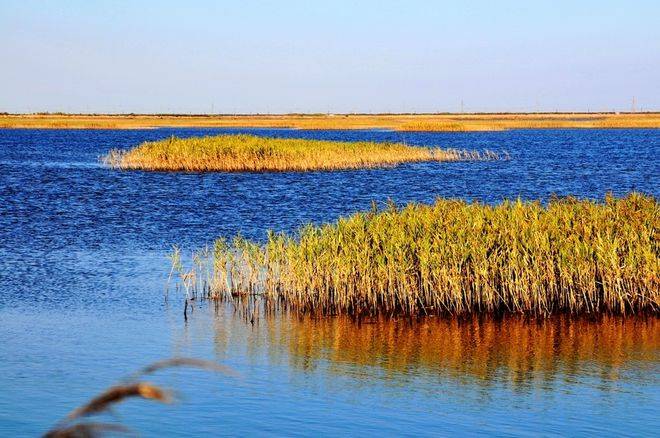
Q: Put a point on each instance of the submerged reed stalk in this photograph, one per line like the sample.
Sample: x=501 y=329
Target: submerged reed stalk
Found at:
x=454 y=257
x=241 y=153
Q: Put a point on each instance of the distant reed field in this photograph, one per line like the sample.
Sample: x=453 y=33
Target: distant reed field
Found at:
x=399 y=122
x=504 y=122
x=455 y=257
x=241 y=153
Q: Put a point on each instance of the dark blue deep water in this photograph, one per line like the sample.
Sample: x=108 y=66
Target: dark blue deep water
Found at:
x=83 y=266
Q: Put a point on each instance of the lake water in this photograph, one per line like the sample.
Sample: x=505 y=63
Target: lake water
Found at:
x=83 y=267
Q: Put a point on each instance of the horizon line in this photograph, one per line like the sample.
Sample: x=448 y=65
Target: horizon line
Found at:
x=282 y=114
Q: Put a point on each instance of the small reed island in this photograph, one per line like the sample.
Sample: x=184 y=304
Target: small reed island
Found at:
x=453 y=257
x=249 y=153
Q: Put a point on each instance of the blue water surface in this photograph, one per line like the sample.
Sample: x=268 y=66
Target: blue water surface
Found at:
x=83 y=267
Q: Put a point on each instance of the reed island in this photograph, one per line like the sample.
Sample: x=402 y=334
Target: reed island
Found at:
x=453 y=257
x=249 y=153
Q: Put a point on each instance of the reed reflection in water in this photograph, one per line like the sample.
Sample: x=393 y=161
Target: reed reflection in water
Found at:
x=516 y=352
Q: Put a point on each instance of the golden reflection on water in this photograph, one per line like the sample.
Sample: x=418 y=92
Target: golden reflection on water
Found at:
x=513 y=350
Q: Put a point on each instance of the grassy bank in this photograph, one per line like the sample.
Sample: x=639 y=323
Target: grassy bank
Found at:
x=239 y=153
x=400 y=122
x=454 y=257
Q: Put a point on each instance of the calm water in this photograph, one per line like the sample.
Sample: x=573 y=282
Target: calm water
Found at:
x=82 y=270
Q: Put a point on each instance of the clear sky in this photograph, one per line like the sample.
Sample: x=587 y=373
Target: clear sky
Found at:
x=331 y=56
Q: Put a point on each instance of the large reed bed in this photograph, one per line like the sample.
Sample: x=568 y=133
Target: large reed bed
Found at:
x=241 y=153
x=454 y=257
x=402 y=122
x=504 y=122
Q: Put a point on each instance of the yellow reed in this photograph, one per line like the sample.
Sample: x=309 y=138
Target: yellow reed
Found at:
x=241 y=153
x=454 y=257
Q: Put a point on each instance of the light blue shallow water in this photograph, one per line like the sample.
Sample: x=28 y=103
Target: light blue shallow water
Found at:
x=82 y=269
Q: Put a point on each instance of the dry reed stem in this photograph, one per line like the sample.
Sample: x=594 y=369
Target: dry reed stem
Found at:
x=119 y=393
x=189 y=362
x=116 y=394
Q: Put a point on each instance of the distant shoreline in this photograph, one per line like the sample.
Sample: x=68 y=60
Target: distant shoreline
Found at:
x=441 y=122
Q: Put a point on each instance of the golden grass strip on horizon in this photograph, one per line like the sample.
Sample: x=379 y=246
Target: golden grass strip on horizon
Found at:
x=249 y=153
x=399 y=122
x=455 y=257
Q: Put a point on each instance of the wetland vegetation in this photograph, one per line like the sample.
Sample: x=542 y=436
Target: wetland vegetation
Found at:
x=399 y=122
x=241 y=153
x=454 y=257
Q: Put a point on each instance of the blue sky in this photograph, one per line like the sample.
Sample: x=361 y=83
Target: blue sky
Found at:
x=331 y=56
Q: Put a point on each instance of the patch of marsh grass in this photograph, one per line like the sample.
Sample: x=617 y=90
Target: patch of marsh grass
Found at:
x=249 y=153
x=455 y=257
